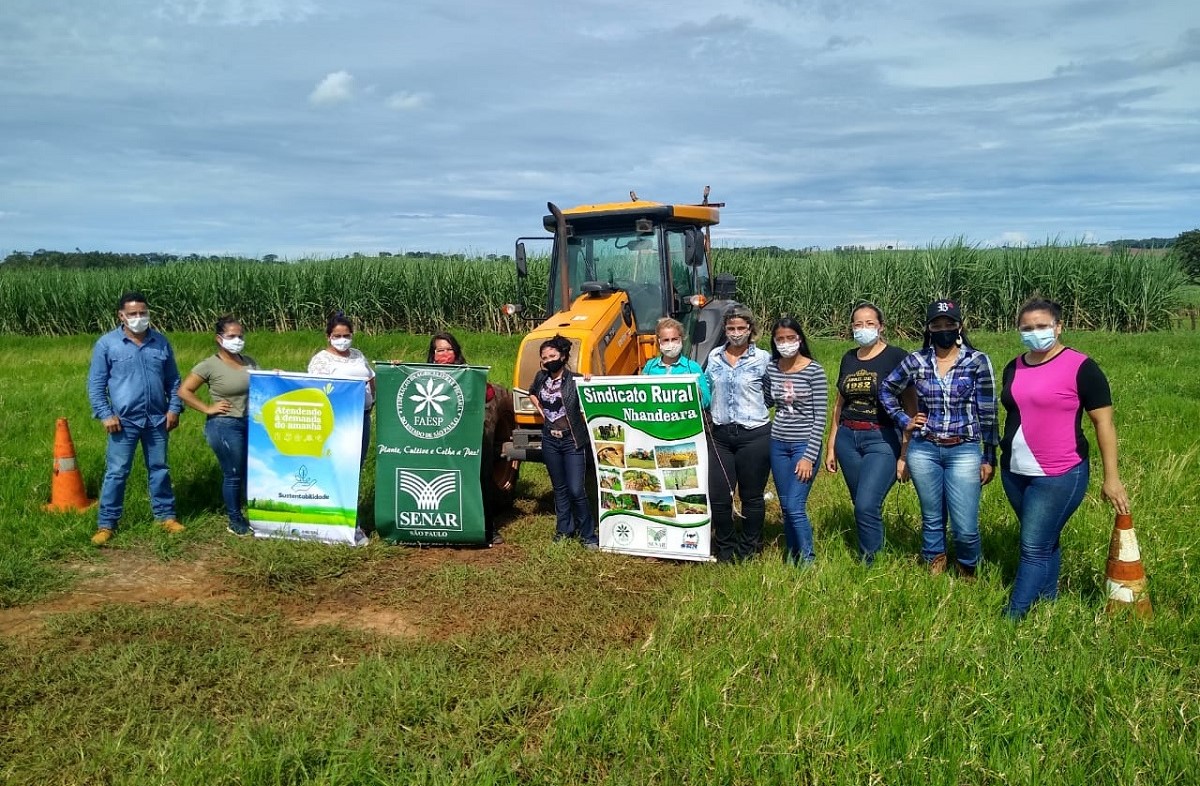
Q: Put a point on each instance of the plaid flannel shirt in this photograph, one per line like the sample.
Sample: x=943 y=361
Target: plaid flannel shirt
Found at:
x=961 y=404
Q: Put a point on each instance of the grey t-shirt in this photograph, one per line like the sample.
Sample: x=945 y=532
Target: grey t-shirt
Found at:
x=799 y=399
x=226 y=383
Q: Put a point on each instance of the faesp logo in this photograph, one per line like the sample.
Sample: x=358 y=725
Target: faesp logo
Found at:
x=435 y=495
x=429 y=403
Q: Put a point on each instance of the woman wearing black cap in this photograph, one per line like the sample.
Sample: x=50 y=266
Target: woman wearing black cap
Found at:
x=956 y=413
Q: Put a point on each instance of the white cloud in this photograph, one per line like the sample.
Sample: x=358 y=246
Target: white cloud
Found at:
x=235 y=12
x=335 y=88
x=1017 y=239
x=404 y=101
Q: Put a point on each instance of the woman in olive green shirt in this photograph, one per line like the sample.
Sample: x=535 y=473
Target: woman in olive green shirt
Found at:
x=228 y=382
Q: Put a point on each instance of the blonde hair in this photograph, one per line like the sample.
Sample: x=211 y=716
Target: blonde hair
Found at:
x=668 y=323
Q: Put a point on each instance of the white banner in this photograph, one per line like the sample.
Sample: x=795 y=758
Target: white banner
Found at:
x=651 y=459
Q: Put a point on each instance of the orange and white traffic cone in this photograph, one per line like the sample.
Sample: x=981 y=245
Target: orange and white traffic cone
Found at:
x=66 y=490
x=1126 y=579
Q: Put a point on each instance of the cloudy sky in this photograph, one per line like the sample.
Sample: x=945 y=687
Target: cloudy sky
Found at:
x=309 y=127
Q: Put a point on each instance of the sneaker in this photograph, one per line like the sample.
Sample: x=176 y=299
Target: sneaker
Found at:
x=937 y=565
x=172 y=526
x=102 y=536
x=497 y=540
x=241 y=530
x=591 y=545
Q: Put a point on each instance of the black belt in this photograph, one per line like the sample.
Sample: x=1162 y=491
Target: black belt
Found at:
x=556 y=433
x=734 y=428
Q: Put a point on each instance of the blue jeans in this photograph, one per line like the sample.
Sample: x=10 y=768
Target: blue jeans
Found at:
x=227 y=438
x=793 y=498
x=868 y=463
x=118 y=460
x=1043 y=506
x=947 y=481
x=567 y=467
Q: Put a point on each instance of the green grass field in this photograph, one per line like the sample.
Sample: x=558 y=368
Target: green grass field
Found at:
x=204 y=659
x=341 y=518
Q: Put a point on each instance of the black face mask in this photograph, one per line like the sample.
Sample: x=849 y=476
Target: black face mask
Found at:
x=943 y=339
x=554 y=366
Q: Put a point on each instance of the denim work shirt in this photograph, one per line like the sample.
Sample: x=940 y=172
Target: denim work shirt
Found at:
x=656 y=367
x=960 y=404
x=737 y=390
x=138 y=384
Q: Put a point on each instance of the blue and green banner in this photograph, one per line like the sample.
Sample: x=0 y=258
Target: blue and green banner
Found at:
x=305 y=436
x=427 y=472
x=651 y=460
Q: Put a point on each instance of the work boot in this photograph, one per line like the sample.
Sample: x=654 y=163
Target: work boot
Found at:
x=172 y=526
x=937 y=565
x=102 y=536
x=965 y=572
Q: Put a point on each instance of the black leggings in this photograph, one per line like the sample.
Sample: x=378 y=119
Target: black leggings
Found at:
x=738 y=458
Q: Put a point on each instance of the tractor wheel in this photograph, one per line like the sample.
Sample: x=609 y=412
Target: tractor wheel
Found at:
x=498 y=474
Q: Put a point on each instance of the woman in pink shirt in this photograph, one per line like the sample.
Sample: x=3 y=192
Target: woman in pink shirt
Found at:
x=1044 y=460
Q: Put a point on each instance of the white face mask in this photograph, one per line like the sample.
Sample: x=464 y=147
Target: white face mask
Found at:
x=865 y=337
x=788 y=350
x=738 y=339
x=670 y=349
x=137 y=324
x=341 y=344
x=234 y=345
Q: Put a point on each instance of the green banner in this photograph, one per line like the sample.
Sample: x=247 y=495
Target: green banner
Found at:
x=651 y=459
x=430 y=431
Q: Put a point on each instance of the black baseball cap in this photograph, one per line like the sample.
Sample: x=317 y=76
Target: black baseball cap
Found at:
x=943 y=308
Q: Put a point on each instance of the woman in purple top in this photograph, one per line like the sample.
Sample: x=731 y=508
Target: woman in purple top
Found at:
x=1044 y=463
x=565 y=445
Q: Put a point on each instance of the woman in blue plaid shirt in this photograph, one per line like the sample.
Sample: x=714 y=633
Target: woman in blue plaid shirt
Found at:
x=956 y=415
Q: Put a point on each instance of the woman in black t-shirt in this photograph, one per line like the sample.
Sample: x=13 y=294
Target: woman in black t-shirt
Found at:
x=865 y=441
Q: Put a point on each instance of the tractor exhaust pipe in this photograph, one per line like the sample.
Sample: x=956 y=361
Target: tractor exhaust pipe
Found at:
x=560 y=241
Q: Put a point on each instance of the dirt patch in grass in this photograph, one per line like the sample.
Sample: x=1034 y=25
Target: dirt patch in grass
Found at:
x=368 y=618
x=123 y=577
x=413 y=593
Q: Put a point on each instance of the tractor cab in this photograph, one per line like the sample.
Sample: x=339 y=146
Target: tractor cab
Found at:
x=615 y=270
x=657 y=257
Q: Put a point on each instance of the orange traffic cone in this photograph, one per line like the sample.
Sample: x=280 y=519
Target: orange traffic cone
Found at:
x=1126 y=578
x=66 y=490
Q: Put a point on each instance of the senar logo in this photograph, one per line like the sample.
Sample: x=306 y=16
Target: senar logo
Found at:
x=427 y=494
x=429 y=403
x=429 y=499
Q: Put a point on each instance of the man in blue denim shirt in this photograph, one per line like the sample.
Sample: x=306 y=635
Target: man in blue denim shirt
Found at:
x=133 y=386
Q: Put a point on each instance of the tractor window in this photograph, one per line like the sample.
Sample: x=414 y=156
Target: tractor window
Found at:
x=626 y=260
x=682 y=276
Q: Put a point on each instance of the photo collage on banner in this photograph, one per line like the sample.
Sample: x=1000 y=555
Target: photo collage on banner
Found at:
x=304 y=440
x=427 y=470
x=651 y=459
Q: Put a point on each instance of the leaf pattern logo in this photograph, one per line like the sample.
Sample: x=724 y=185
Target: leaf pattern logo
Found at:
x=430 y=397
x=304 y=481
